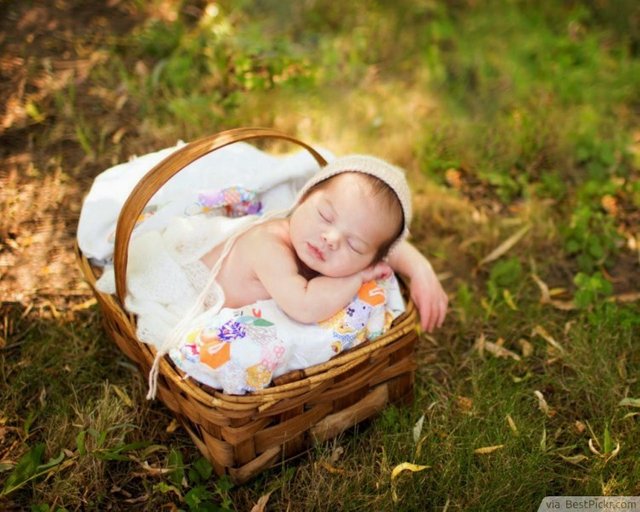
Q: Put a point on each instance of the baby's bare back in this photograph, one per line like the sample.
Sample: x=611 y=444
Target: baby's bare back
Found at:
x=237 y=276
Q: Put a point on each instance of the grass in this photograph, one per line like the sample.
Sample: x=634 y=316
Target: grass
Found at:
x=517 y=123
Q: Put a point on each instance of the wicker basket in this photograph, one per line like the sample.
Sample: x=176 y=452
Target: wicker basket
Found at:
x=243 y=435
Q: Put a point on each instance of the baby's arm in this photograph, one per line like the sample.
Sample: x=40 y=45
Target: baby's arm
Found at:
x=426 y=290
x=307 y=301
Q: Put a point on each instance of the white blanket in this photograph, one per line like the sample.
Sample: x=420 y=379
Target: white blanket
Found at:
x=236 y=350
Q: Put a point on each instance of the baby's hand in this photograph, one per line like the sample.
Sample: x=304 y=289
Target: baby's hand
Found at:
x=380 y=270
x=425 y=288
x=429 y=297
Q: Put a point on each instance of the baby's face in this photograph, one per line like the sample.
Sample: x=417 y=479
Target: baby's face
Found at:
x=338 y=229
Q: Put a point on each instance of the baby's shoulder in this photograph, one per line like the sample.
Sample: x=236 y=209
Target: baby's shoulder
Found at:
x=270 y=234
x=276 y=230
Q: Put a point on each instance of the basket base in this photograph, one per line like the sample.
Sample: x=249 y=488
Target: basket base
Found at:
x=397 y=391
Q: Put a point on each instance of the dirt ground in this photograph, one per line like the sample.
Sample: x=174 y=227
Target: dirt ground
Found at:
x=44 y=172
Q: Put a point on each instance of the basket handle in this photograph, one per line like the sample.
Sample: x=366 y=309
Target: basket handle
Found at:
x=167 y=168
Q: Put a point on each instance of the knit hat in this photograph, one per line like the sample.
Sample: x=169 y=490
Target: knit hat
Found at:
x=393 y=176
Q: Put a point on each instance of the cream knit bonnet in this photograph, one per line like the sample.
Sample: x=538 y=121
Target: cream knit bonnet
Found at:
x=393 y=176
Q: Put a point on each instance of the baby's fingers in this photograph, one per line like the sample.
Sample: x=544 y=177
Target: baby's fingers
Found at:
x=433 y=314
x=385 y=270
x=382 y=270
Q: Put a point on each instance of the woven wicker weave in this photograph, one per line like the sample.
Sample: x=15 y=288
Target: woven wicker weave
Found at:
x=242 y=435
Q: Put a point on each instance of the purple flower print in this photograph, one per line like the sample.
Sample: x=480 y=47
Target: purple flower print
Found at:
x=231 y=330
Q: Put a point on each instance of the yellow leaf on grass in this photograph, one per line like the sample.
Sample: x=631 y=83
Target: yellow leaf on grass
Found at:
x=500 y=351
x=546 y=294
x=173 y=426
x=154 y=471
x=405 y=466
x=480 y=343
x=123 y=395
x=505 y=246
x=508 y=298
x=419 y=446
x=542 y=332
x=488 y=449
x=526 y=347
x=557 y=291
x=331 y=469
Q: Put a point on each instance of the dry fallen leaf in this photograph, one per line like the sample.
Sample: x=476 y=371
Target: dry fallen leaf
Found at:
x=542 y=332
x=625 y=297
x=574 y=459
x=525 y=347
x=546 y=294
x=123 y=395
x=465 y=403
x=629 y=402
x=405 y=466
x=542 y=404
x=505 y=246
x=331 y=469
x=418 y=451
x=607 y=455
x=454 y=178
x=417 y=429
x=609 y=204
x=261 y=504
x=508 y=298
x=500 y=351
x=154 y=471
x=336 y=454
x=512 y=424
x=173 y=426
x=479 y=344
x=485 y=450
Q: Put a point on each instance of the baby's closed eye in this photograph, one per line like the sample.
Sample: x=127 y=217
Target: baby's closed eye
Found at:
x=354 y=247
x=325 y=216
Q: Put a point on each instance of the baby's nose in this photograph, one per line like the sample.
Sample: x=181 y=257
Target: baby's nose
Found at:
x=332 y=238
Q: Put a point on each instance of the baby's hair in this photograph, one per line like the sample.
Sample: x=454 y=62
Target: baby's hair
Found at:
x=390 y=203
